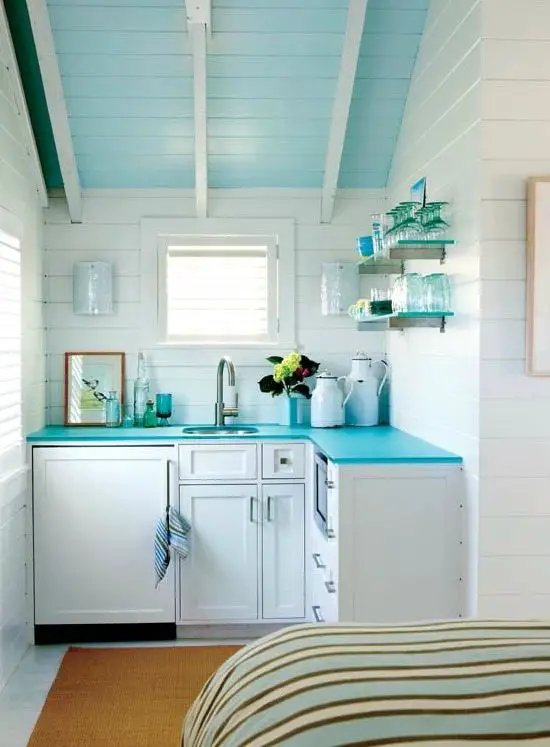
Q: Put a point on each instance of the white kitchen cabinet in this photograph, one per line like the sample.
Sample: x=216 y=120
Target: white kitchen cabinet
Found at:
x=217 y=461
x=95 y=510
x=283 y=541
x=218 y=580
x=396 y=551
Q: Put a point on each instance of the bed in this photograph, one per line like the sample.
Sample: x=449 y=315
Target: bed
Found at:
x=446 y=684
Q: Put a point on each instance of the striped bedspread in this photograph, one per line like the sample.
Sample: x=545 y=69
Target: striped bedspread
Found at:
x=442 y=685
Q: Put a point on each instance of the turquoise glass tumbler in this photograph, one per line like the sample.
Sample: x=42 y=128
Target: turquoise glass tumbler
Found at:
x=163 y=407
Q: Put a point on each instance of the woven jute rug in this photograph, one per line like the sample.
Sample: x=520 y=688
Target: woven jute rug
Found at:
x=124 y=697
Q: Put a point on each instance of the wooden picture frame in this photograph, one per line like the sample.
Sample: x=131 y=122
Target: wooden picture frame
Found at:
x=537 y=312
x=88 y=378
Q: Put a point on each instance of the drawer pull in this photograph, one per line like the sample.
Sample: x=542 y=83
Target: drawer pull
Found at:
x=331 y=534
x=284 y=460
x=269 y=502
x=329 y=484
x=318 y=560
x=252 y=508
x=317 y=614
x=330 y=587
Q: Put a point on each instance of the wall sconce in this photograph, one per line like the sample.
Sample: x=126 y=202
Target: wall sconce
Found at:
x=93 y=288
x=339 y=287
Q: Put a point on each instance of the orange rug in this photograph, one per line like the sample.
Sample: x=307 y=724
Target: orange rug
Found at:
x=124 y=697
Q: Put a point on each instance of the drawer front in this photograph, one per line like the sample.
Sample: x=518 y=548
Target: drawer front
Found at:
x=285 y=460
x=216 y=461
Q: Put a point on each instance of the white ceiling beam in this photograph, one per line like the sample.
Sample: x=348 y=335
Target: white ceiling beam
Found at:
x=342 y=103
x=57 y=108
x=10 y=61
x=199 y=14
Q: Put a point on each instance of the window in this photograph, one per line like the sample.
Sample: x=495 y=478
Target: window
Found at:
x=11 y=428
x=218 y=282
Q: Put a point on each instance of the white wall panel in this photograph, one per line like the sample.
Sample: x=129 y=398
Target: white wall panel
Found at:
x=111 y=231
x=19 y=197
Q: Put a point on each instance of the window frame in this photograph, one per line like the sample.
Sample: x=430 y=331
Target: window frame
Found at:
x=157 y=234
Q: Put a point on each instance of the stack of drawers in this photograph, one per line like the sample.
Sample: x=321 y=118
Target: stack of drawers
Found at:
x=324 y=564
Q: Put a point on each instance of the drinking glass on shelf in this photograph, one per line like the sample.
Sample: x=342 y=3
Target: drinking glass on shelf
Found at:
x=164 y=408
x=434 y=227
x=390 y=238
x=437 y=290
x=409 y=226
x=413 y=285
x=378 y=230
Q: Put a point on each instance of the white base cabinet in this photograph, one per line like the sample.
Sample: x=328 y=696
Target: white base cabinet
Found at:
x=219 y=578
x=397 y=546
x=95 y=514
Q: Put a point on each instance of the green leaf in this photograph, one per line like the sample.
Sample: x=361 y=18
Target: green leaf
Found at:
x=274 y=359
x=268 y=384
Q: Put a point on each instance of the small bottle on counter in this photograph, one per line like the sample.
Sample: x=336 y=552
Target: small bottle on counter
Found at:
x=141 y=391
x=150 y=417
x=112 y=410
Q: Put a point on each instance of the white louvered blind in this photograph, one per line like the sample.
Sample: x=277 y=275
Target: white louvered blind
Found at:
x=11 y=428
x=219 y=290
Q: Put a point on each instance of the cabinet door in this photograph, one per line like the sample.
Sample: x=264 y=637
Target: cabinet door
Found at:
x=95 y=515
x=283 y=551
x=219 y=578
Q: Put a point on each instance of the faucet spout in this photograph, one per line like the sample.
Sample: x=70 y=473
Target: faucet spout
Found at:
x=221 y=411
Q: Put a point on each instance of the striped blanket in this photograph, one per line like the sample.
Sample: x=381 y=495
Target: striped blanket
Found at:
x=444 y=684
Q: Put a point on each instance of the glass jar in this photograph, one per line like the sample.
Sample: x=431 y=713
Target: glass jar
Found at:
x=112 y=410
x=150 y=416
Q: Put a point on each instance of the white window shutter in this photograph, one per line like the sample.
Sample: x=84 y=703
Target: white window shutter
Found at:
x=11 y=426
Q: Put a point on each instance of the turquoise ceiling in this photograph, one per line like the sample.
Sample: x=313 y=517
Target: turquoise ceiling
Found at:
x=272 y=68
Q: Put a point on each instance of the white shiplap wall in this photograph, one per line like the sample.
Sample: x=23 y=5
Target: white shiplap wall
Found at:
x=19 y=197
x=111 y=231
x=435 y=391
x=514 y=578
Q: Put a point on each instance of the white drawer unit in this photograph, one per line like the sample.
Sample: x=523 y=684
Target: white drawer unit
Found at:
x=217 y=461
x=283 y=460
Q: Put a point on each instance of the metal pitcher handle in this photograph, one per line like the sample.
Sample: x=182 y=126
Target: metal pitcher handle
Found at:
x=345 y=379
x=386 y=374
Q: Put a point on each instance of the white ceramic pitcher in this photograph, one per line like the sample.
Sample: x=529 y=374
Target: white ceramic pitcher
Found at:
x=328 y=401
x=362 y=401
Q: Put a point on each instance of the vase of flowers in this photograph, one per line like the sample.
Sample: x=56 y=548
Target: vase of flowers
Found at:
x=287 y=380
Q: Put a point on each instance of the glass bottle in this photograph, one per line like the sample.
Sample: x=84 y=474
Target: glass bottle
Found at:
x=150 y=417
x=141 y=390
x=112 y=410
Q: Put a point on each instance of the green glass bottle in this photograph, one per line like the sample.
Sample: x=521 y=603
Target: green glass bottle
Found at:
x=150 y=417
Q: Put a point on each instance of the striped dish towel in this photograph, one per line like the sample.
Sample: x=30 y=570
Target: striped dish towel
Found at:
x=173 y=532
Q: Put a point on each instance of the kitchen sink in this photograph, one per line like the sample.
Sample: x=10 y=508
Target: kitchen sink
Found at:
x=221 y=430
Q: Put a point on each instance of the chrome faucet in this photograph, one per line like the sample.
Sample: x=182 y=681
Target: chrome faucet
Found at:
x=222 y=412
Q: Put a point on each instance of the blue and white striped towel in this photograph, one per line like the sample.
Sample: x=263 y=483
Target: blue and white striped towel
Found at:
x=173 y=532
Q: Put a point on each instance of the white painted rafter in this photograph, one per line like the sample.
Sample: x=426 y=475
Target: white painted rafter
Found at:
x=198 y=25
x=57 y=108
x=10 y=61
x=342 y=103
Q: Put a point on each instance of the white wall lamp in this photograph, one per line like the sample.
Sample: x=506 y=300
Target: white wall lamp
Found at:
x=93 y=288
x=339 y=287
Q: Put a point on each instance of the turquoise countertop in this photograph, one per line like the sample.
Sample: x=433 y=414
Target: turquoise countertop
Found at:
x=378 y=445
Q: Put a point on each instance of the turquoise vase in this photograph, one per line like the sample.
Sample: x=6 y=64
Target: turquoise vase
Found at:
x=289 y=409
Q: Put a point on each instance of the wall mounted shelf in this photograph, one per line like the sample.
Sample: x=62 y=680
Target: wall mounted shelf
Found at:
x=405 y=320
x=393 y=265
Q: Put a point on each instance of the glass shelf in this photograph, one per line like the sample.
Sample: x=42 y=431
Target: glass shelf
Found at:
x=405 y=320
x=393 y=265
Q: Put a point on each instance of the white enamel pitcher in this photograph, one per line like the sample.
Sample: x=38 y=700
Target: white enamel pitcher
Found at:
x=362 y=401
x=328 y=401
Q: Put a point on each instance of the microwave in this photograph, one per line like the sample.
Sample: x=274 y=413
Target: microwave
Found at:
x=320 y=487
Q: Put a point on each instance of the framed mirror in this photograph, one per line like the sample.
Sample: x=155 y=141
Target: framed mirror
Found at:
x=538 y=277
x=89 y=377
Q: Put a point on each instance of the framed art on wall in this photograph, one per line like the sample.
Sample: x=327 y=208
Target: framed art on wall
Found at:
x=537 y=312
x=89 y=377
